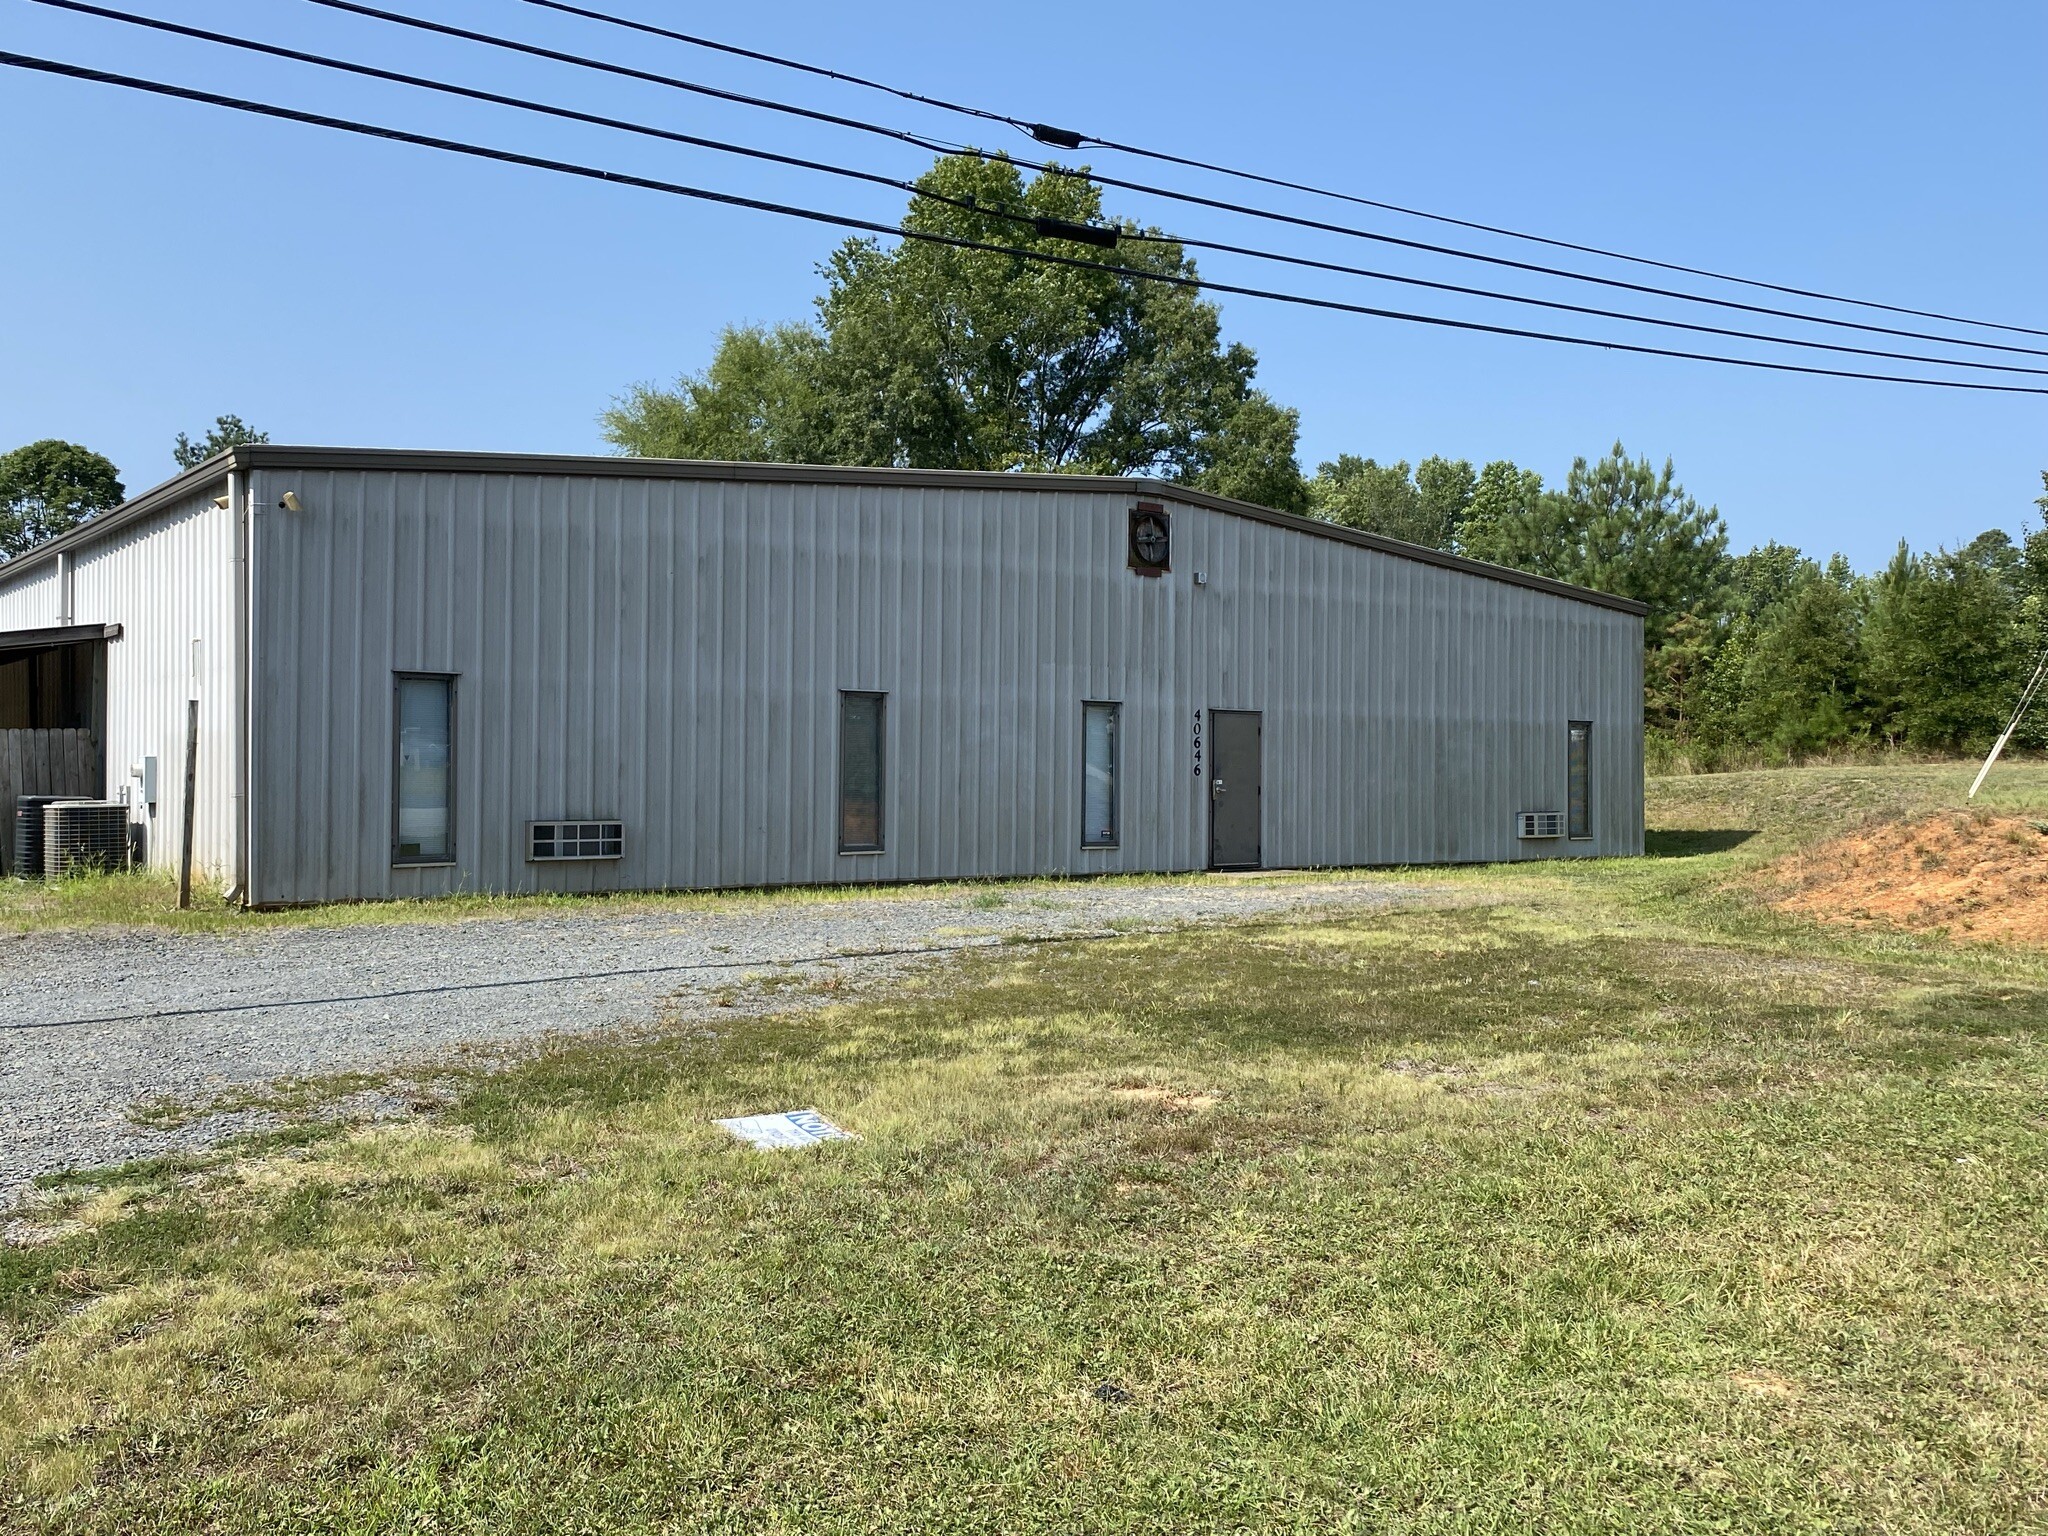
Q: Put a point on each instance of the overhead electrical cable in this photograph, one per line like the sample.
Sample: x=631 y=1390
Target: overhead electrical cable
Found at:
x=939 y=146
x=695 y=41
x=1084 y=234
x=1067 y=138
x=1050 y=258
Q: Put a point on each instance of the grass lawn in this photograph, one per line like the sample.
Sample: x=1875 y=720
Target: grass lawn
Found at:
x=1609 y=1201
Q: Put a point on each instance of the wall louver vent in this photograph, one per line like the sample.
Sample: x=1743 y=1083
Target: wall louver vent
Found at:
x=82 y=835
x=1540 y=824
x=551 y=842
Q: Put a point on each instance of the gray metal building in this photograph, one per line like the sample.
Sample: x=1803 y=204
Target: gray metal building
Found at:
x=430 y=672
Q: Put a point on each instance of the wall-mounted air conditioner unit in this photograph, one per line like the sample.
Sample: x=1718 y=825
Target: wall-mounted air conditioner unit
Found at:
x=1540 y=824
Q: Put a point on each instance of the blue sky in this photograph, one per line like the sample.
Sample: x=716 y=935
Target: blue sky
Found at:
x=168 y=262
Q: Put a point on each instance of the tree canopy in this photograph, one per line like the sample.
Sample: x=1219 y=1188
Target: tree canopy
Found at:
x=225 y=433
x=1428 y=507
x=930 y=356
x=1618 y=526
x=50 y=487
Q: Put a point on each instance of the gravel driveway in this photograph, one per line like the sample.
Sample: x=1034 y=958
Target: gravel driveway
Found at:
x=94 y=1023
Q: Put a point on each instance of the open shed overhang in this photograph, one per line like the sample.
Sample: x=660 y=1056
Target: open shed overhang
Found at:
x=54 y=678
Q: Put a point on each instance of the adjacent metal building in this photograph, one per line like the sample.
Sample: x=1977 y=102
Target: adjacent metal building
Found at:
x=430 y=672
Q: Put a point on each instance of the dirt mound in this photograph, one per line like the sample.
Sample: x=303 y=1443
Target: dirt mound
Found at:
x=1971 y=875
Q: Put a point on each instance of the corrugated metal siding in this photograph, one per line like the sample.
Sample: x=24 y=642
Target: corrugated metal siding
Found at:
x=168 y=581
x=29 y=601
x=670 y=653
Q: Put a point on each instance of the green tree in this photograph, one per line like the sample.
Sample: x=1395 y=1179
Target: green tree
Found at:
x=50 y=487
x=1444 y=489
x=1617 y=526
x=1946 y=638
x=753 y=404
x=1252 y=458
x=1765 y=576
x=225 y=433
x=1367 y=495
x=930 y=356
x=1803 y=666
x=1503 y=492
x=1426 y=506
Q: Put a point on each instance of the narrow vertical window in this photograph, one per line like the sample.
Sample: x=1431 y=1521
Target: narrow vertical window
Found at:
x=423 y=812
x=1098 y=775
x=860 y=772
x=1580 y=799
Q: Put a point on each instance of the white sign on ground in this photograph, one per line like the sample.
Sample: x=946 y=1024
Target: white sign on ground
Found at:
x=794 y=1128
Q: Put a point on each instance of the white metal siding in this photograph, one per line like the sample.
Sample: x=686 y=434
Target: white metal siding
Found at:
x=670 y=652
x=167 y=580
x=30 y=600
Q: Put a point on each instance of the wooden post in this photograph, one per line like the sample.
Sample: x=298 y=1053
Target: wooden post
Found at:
x=191 y=795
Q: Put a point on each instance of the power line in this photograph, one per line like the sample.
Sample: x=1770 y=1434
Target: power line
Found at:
x=1064 y=138
x=1015 y=253
x=939 y=146
x=812 y=69
x=1085 y=234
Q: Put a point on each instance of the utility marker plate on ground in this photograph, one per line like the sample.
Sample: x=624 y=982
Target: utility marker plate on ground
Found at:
x=779 y=1133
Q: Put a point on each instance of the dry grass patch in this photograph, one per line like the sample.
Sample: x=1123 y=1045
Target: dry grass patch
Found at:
x=1968 y=875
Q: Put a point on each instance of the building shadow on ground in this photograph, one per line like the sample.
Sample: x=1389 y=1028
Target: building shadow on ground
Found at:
x=1691 y=844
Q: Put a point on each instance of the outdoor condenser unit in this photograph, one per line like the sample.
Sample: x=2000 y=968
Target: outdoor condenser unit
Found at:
x=1539 y=824
x=28 y=834
x=80 y=835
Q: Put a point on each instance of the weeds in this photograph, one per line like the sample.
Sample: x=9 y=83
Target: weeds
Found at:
x=1595 y=1198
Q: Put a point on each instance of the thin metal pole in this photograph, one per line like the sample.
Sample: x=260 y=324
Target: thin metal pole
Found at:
x=1998 y=746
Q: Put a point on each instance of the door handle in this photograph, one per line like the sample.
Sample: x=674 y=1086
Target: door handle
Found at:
x=1216 y=788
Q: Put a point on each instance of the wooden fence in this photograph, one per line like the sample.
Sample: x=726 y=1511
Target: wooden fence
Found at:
x=43 y=763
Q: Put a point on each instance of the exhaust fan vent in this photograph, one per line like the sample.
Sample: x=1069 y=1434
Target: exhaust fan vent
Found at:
x=551 y=842
x=81 y=835
x=1540 y=824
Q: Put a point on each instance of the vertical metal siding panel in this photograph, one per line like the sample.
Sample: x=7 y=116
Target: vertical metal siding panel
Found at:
x=493 y=553
x=813 y=817
x=751 y=637
x=817 y=714
x=725 y=556
x=976 y=748
x=660 y=836
x=848 y=659
x=789 y=569
x=30 y=601
x=348 y=744
x=1035 y=618
x=939 y=558
x=532 y=592
x=611 y=659
x=897 y=652
x=379 y=585
x=649 y=703
x=699 y=736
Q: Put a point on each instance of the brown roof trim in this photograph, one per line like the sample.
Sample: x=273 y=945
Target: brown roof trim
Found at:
x=61 y=634
x=278 y=456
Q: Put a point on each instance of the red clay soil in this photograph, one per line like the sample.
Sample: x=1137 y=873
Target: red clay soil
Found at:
x=1970 y=875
